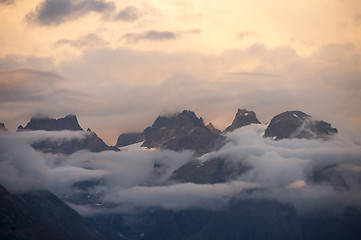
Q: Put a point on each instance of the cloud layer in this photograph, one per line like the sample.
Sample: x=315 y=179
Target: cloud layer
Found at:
x=137 y=178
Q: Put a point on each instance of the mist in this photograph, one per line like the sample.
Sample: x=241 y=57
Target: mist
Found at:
x=138 y=178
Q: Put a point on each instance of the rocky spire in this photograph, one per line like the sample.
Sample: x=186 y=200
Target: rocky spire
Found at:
x=243 y=118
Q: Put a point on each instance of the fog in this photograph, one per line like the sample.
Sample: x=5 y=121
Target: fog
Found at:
x=300 y=172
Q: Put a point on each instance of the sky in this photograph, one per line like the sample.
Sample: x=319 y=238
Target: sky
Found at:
x=117 y=65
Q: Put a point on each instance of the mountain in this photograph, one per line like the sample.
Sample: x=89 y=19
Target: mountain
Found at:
x=297 y=124
x=3 y=128
x=69 y=122
x=126 y=139
x=41 y=215
x=181 y=131
x=243 y=118
x=89 y=141
x=213 y=129
x=240 y=219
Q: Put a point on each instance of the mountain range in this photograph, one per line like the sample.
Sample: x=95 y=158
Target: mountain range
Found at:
x=38 y=214
x=181 y=131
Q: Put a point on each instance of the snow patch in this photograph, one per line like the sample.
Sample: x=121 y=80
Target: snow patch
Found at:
x=133 y=147
x=295 y=115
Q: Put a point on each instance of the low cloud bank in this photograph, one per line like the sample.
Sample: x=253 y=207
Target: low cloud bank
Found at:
x=309 y=174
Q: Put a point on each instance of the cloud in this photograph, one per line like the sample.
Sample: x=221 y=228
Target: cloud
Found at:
x=178 y=196
x=246 y=34
x=15 y=84
x=286 y=169
x=151 y=35
x=28 y=92
x=154 y=35
x=358 y=18
x=128 y=181
x=32 y=62
x=129 y=14
x=183 y=4
x=89 y=40
x=7 y=2
x=54 y=12
x=266 y=80
x=30 y=137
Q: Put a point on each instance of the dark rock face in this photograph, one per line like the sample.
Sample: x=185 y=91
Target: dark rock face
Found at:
x=41 y=215
x=129 y=139
x=242 y=118
x=297 y=124
x=213 y=171
x=213 y=129
x=182 y=131
x=331 y=226
x=3 y=128
x=241 y=219
x=70 y=122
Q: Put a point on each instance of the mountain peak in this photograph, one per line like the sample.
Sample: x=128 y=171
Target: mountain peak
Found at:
x=243 y=118
x=180 y=131
x=297 y=124
x=69 y=122
x=212 y=128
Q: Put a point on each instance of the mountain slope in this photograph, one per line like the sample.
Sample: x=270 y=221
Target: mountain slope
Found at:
x=41 y=215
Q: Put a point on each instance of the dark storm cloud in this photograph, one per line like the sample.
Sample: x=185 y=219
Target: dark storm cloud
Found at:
x=7 y=2
x=129 y=14
x=89 y=40
x=154 y=35
x=55 y=12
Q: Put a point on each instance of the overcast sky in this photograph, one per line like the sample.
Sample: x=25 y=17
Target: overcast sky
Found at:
x=117 y=65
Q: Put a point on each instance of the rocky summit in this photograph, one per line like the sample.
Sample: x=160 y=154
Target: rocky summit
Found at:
x=181 y=131
x=243 y=118
x=69 y=122
x=89 y=141
x=297 y=124
x=126 y=139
